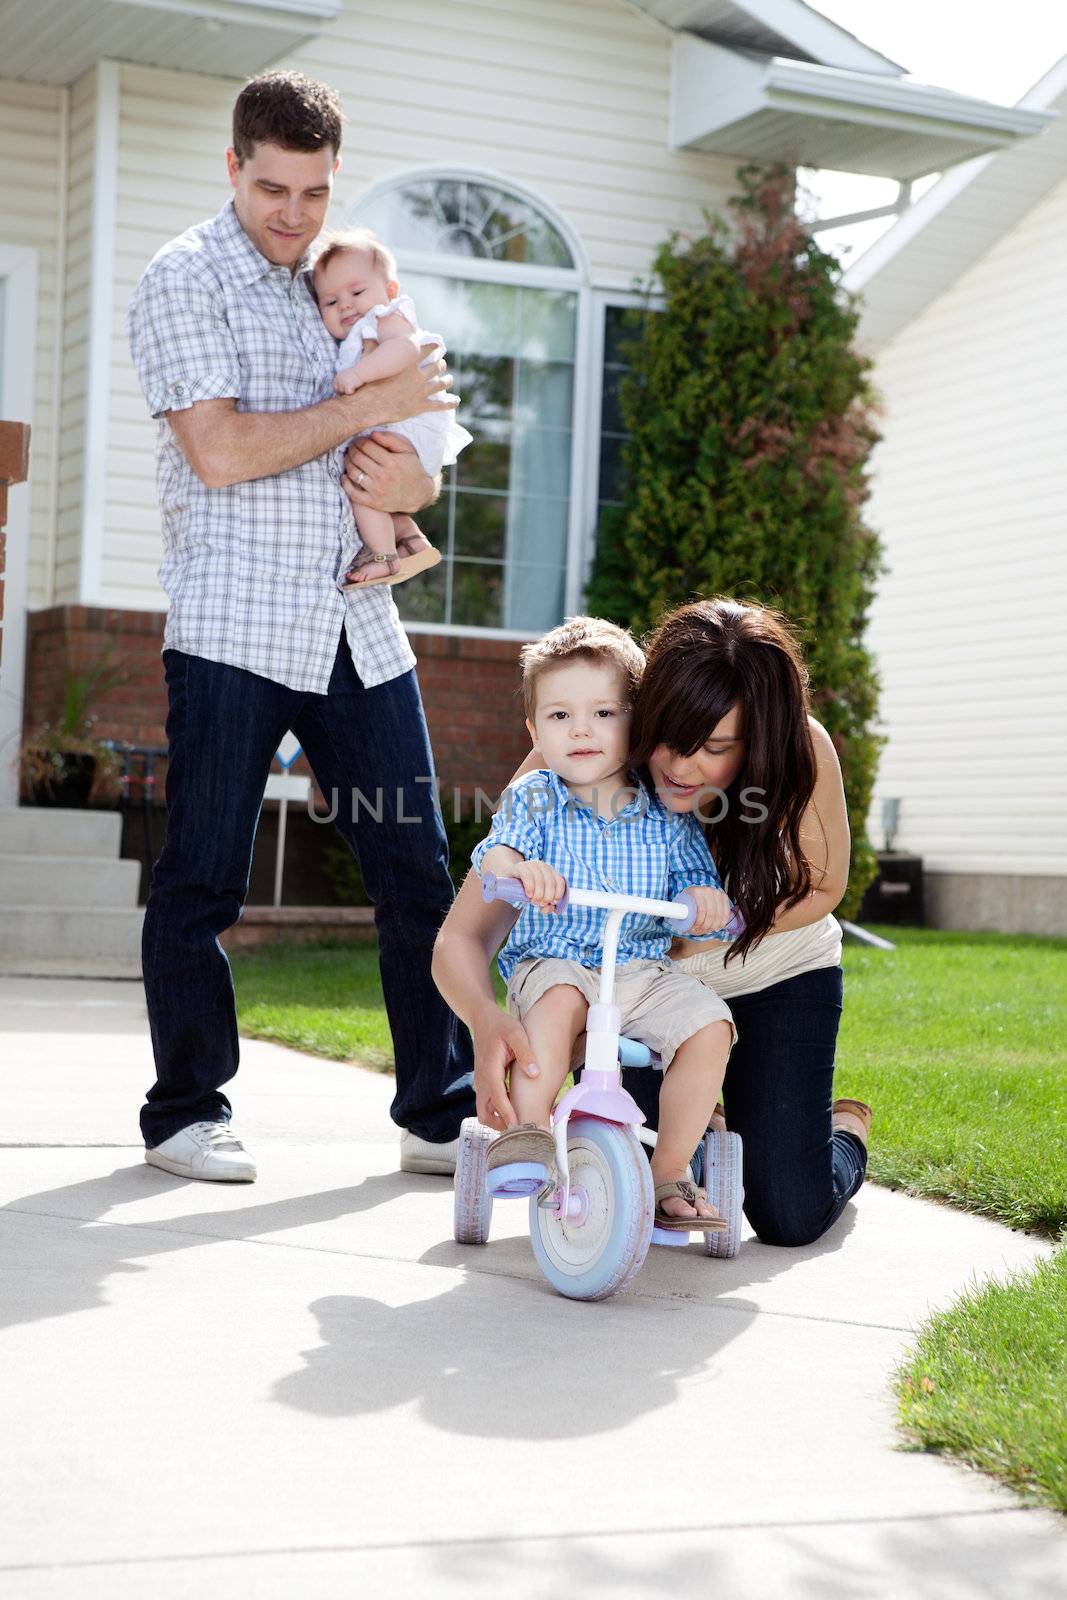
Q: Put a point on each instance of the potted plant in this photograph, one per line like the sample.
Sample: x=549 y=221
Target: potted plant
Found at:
x=61 y=760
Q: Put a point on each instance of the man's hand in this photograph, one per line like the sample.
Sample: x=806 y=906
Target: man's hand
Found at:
x=382 y=471
x=412 y=391
x=500 y=1047
x=713 y=910
x=543 y=884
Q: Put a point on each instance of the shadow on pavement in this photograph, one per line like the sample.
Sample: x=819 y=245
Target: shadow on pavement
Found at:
x=73 y=1278
x=584 y=1368
x=966 y=1556
x=502 y=1357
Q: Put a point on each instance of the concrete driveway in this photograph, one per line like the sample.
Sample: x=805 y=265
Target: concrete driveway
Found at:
x=303 y=1386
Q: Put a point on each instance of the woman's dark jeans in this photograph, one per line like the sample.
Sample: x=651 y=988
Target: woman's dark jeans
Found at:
x=778 y=1093
x=224 y=725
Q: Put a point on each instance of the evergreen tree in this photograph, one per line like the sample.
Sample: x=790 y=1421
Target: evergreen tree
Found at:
x=750 y=419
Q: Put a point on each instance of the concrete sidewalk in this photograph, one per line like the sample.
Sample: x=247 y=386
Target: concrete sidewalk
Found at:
x=304 y=1386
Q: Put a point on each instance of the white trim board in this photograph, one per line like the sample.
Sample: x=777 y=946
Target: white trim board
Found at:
x=18 y=268
x=101 y=320
x=945 y=232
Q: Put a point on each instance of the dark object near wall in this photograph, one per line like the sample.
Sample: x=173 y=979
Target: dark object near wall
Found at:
x=896 y=895
x=67 y=778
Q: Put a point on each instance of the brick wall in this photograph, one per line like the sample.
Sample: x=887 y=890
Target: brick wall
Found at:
x=469 y=687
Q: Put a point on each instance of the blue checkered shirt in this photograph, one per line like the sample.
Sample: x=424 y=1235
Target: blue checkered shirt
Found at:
x=645 y=850
x=252 y=571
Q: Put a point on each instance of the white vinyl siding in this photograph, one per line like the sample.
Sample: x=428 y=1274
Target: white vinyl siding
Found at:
x=30 y=145
x=568 y=99
x=174 y=128
x=971 y=501
x=74 y=387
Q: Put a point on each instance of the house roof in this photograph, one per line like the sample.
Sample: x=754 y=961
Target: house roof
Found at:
x=772 y=28
x=959 y=219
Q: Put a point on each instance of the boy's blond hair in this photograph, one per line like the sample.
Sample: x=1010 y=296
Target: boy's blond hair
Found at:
x=581 y=639
x=347 y=241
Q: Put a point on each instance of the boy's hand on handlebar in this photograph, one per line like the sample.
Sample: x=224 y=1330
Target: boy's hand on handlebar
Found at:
x=713 y=910
x=543 y=884
x=500 y=1047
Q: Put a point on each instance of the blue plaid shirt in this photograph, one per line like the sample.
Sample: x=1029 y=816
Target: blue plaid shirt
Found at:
x=645 y=850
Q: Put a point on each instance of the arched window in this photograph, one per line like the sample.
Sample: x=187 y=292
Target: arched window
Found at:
x=499 y=279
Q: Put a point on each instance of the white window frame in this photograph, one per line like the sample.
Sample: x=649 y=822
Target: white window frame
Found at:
x=601 y=301
x=18 y=269
x=576 y=279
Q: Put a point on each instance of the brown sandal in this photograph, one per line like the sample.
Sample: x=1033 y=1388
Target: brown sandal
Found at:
x=390 y=562
x=690 y=1193
x=401 y=567
x=526 y=1142
x=853 y=1116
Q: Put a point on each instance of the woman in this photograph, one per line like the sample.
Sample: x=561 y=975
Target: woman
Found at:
x=721 y=727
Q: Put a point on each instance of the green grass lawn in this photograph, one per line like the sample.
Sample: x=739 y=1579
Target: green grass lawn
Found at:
x=987 y=1382
x=959 y=1043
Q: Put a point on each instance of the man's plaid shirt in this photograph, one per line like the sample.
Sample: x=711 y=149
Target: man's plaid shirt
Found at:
x=252 y=571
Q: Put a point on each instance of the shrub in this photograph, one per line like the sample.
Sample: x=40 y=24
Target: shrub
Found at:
x=750 y=419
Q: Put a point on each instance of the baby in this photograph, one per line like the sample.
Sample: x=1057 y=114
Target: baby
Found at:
x=379 y=335
x=588 y=821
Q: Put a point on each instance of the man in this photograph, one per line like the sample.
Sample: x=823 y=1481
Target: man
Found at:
x=235 y=362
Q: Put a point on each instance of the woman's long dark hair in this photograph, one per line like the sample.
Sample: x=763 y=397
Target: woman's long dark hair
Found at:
x=703 y=659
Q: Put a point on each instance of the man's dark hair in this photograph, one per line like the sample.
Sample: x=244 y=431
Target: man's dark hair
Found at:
x=286 y=109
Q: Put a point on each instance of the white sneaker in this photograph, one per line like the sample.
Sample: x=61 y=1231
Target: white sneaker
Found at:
x=426 y=1155
x=209 y=1150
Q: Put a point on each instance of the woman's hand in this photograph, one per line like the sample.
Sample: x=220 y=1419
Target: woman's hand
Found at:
x=543 y=884
x=500 y=1047
x=713 y=910
x=382 y=471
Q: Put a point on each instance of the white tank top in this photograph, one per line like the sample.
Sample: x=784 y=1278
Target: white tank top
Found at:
x=779 y=956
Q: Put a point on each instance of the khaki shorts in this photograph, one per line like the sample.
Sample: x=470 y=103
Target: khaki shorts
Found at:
x=661 y=1006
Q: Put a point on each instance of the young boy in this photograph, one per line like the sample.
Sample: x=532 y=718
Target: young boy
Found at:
x=585 y=819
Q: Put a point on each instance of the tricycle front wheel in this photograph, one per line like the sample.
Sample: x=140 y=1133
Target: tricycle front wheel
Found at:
x=595 y=1252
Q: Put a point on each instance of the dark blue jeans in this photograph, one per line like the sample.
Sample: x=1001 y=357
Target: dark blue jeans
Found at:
x=778 y=1093
x=223 y=727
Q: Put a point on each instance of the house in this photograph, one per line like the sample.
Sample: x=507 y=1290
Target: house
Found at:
x=966 y=314
x=525 y=161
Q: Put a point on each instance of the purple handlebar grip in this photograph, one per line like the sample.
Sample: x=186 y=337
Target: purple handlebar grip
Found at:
x=733 y=929
x=685 y=923
x=511 y=890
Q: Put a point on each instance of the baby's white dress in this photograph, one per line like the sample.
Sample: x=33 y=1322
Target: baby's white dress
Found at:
x=437 y=436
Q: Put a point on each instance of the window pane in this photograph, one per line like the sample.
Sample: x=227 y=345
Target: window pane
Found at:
x=480 y=525
x=547 y=324
x=534 y=598
x=541 y=461
x=609 y=490
x=486 y=386
x=544 y=391
x=464 y=217
x=423 y=599
x=537 y=532
x=485 y=464
x=619 y=329
x=476 y=591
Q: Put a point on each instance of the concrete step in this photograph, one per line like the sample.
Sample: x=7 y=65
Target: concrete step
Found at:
x=70 y=933
x=54 y=831
x=68 y=881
